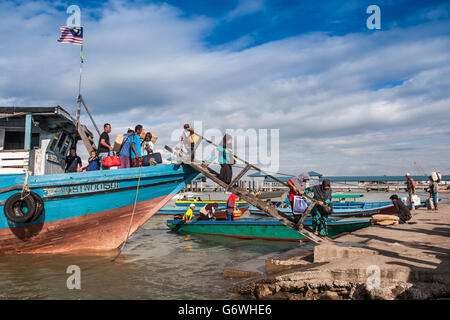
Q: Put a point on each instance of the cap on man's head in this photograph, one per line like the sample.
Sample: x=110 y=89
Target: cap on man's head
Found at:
x=192 y=205
x=408 y=174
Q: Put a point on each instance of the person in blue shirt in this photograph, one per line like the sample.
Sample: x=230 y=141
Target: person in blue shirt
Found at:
x=125 y=150
x=94 y=163
x=136 y=155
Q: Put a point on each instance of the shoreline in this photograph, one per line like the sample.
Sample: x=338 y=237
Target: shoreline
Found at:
x=407 y=261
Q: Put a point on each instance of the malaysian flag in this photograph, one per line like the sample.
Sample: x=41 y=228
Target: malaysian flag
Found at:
x=73 y=35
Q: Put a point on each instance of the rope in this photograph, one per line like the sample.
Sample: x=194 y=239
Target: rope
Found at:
x=26 y=186
x=132 y=215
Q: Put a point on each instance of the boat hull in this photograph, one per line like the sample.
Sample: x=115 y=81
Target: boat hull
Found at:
x=266 y=229
x=91 y=211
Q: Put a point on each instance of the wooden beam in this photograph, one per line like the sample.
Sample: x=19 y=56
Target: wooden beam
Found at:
x=305 y=214
x=239 y=176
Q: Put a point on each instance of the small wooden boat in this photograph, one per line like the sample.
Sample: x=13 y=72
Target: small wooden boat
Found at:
x=202 y=203
x=263 y=228
x=181 y=211
x=347 y=209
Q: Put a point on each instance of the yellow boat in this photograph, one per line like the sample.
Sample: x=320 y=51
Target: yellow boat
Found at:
x=202 y=203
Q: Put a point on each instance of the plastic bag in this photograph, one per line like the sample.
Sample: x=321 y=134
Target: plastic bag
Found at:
x=300 y=204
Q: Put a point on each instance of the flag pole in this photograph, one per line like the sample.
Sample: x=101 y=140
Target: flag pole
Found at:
x=79 y=87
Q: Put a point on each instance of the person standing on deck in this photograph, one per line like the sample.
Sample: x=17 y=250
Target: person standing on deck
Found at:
x=400 y=209
x=433 y=189
x=187 y=141
x=322 y=193
x=125 y=150
x=297 y=185
x=187 y=217
x=73 y=162
x=411 y=189
x=147 y=145
x=104 y=145
x=93 y=162
x=231 y=206
x=136 y=156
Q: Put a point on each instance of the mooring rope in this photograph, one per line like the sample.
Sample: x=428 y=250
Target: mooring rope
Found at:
x=132 y=215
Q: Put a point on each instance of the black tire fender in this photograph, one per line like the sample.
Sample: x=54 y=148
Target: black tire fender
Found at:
x=14 y=208
x=39 y=206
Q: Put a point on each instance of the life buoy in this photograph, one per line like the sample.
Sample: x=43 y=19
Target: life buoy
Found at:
x=20 y=210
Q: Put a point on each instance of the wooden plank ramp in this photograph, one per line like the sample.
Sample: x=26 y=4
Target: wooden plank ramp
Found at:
x=243 y=194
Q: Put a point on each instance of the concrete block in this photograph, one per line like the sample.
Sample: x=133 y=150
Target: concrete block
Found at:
x=331 y=252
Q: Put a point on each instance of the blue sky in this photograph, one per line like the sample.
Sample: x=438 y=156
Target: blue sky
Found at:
x=345 y=99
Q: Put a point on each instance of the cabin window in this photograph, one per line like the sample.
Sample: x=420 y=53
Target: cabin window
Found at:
x=54 y=143
x=61 y=141
x=14 y=140
x=66 y=145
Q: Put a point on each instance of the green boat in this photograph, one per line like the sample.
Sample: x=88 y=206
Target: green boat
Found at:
x=263 y=228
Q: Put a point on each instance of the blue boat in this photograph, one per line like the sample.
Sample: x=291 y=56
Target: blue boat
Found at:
x=49 y=212
x=347 y=209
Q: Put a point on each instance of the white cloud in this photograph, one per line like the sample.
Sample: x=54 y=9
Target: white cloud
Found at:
x=148 y=64
x=244 y=8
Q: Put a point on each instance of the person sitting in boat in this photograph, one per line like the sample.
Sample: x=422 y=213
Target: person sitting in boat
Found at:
x=73 y=162
x=207 y=212
x=320 y=212
x=187 y=217
x=400 y=209
x=297 y=185
x=94 y=163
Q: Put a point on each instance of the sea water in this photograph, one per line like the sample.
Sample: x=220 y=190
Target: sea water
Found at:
x=155 y=264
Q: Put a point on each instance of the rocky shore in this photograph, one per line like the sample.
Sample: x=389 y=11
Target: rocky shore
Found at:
x=403 y=261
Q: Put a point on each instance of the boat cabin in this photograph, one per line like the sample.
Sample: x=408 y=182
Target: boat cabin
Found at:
x=35 y=139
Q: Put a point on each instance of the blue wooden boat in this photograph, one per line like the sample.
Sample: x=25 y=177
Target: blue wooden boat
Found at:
x=89 y=210
x=347 y=209
x=43 y=210
x=263 y=228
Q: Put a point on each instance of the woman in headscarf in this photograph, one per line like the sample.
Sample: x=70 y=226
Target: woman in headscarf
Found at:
x=319 y=214
x=226 y=159
x=297 y=186
x=207 y=212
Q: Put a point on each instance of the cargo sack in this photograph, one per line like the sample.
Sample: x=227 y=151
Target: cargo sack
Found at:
x=111 y=161
x=118 y=143
x=430 y=204
x=300 y=204
x=144 y=132
x=415 y=200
